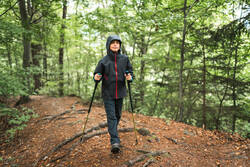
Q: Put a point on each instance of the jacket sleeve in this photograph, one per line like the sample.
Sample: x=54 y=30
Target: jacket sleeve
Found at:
x=99 y=69
x=130 y=69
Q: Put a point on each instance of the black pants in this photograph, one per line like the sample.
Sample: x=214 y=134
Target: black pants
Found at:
x=113 y=110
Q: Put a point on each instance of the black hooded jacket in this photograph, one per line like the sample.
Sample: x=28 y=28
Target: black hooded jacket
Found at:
x=112 y=67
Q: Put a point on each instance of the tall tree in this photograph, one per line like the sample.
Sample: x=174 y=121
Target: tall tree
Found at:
x=204 y=85
x=61 y=49
x=26 y=24
x=182 y=61
x=31 y=13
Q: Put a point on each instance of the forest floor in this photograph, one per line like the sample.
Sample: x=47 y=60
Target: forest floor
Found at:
x=52 y=139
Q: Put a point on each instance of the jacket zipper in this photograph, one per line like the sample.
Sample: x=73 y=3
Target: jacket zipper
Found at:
x=116 y=74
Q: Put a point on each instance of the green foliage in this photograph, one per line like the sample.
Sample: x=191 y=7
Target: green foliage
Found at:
x=50 y=88
x=11 y=82
x=16 y=118
x=243 y=128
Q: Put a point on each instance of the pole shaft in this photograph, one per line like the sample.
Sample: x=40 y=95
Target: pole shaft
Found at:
x=92 y=99
x=131 y=104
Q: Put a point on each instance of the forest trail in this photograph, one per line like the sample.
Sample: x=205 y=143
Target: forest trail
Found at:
x=175 y=144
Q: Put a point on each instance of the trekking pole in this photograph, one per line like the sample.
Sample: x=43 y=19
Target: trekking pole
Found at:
x=131 y=104
x=96 y=83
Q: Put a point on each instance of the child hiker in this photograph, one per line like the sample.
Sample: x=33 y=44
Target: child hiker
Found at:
x=113 y=69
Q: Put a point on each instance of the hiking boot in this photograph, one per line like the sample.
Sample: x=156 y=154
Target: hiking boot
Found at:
x=115 y=148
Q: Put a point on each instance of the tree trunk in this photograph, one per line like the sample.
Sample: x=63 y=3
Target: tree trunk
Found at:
x=26 y=47
x=142 y=87
x=234 y=89
x=131 y=61
x=154 y=107
x=45 y=63
x=78 y=79
x=35 y=50
x=143 y=51
x=218 y=117
x=222 y=99
x=8 y=48
x=204 y=121
x=86 y=78
x=180 y=118
x=45 y=66
x=26 y=35
x=61 y=49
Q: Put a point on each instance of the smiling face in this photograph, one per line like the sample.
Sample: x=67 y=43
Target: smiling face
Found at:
x=114 y=46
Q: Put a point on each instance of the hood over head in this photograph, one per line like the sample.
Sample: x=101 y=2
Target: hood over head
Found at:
x=110 y=39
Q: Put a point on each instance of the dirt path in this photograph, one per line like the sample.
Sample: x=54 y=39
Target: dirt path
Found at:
x=183 y=145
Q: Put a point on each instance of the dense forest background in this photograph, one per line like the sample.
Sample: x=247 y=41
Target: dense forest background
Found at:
x=190 y=57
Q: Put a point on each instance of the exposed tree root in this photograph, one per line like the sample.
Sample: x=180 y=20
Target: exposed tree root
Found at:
x=62 y=118
x=52 y=117
x=22 y=100
x=76 y=122
x=61 y=157
x=101 y=125
x=143 y=151
x=84 y=138
x=141 y=158
x=55 y=117
x=81 y=111
x=172 y=140
x=58 y=116
x=150 y=161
